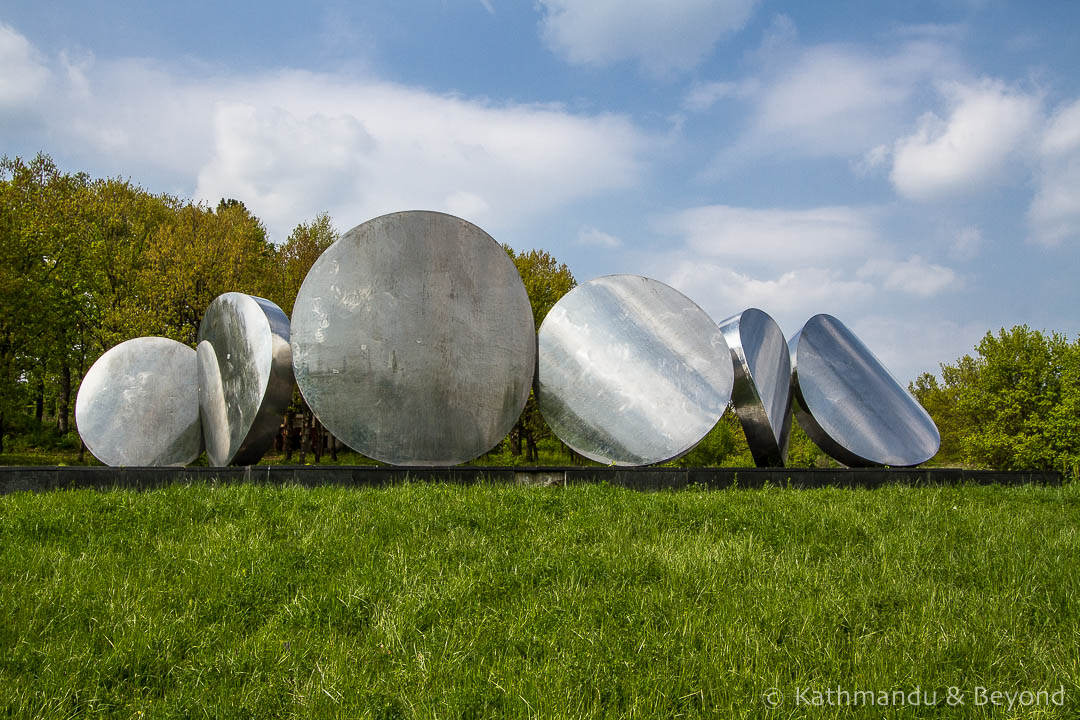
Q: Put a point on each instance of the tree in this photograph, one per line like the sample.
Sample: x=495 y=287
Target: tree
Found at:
x=546 y=281
x=1013 y=406
x=294 y=259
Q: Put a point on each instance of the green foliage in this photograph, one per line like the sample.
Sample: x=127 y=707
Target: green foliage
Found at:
x=724 y=446
x=1012 y=406
x=506 y=602
x=546 y=281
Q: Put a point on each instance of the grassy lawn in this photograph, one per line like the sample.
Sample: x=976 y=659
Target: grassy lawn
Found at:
x=492 y=601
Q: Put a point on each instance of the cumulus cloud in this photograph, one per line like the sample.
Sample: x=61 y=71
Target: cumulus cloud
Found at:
x=291 y=143
x=662 y=35
x=773 y=236
x=703 y=96
x=987 y=125
x=1054 y=215
x=912 y=345
x=24 y=74
x=791 y=297
x=836 y=100
x=306 y=140
x=967 y=244
x=913 y=276
x=589 y=235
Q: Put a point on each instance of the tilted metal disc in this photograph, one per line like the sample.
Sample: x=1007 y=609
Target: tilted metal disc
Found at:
x=245 y=377
x=851 y=405
x=139 y=404
x=413 y=339
x=631 y=371
x=762 y=390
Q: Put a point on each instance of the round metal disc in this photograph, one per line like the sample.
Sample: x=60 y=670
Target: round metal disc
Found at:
x=245 y=377
x=139 y=404
x=631 y=371
x=413 y=340
x=851 y=405
x=762 y=390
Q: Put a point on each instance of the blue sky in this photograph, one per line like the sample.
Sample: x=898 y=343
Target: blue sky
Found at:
x=912 y=168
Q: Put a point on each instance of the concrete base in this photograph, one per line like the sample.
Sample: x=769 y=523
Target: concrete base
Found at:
x=45 y=478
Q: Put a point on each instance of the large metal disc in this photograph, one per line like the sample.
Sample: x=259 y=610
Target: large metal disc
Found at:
x=413 y=340
x=139 y=404
x=762 y=391
x=245 y=377
x=631 y=371
x=851 y=405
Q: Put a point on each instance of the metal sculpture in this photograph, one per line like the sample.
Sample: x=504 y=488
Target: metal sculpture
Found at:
x=138 y=404
x=245 y=377
x=850 y=405
x=413 y=340
x=762 y=390
x=631 y=371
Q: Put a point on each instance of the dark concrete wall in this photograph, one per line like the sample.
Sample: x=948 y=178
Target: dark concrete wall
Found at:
x=41 y=479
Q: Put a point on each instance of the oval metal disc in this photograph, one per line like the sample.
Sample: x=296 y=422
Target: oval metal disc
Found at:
x=762 y=390
x=851 y=405
x=139 y=404
x=631 y=371
x=245 y=377
x=413 y=339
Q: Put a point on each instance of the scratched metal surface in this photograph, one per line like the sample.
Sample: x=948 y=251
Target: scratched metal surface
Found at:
x=139 y=404
x=851 y=405
x=245 y=377
x=413 y=339
x=631 y=371
x=762 y=391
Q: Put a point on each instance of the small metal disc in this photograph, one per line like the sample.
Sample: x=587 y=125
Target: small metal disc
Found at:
x=631 y=371
x=139 y=404
x=851 y=405
x=413 y=340
x=762 y=391
x=245 y=377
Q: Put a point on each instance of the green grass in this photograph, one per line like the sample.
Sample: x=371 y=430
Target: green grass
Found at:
x=495 y=601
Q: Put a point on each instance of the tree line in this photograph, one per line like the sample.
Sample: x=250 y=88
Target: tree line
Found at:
x=90 y=262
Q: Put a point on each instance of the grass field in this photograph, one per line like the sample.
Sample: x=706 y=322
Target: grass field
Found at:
x=494 y=601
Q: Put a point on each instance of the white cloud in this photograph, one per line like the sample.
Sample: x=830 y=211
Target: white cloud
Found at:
x=24 y=75
x=835 y=99
x=913 y=276
x=987 y=125
x=291 y=143
x=967 y=245
x=588 y=235
x=909 y=346
x=790 y=297
x=663 y=35
x=703 y=96
x=773 y=236
x=1054 y=215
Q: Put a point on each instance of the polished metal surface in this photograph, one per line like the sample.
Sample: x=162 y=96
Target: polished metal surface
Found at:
x=851 y=405
x=139 y=404
x=631 y=371
x=413 y=340
x=245 y=377
x=762 y=390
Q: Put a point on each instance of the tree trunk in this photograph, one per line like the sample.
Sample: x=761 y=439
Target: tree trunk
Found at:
x=515 y=439
x=305 y=436
x=82 y=450
x=333 y=441
x=286 y=433
x=316 y=439
x=39 y=400
x=1 y=433
x=531 y=454
x=65 y=397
